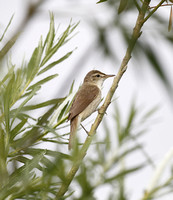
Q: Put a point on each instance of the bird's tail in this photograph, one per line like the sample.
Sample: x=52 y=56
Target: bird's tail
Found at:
x=74 y=123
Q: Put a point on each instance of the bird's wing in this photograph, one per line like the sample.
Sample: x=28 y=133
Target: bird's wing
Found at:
x=86 y=94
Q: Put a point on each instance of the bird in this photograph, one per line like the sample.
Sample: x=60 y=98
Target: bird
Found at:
x=85 y=101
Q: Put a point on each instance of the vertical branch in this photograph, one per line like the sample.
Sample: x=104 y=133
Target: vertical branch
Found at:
x=3 y=160
x=135 y=35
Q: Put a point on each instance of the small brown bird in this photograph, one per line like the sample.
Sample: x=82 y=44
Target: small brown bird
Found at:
x=86 y=101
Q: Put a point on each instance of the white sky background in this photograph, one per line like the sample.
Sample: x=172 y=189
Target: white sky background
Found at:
x=141 y=82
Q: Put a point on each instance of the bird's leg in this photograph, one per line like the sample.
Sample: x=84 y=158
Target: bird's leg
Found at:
x=84 y=129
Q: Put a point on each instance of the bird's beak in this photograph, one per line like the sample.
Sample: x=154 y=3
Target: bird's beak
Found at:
x=108 y=76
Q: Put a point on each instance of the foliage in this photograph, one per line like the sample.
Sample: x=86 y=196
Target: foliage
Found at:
x=120 y=22
x=20 y=132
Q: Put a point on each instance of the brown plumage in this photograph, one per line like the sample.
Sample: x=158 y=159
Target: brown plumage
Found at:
x=86 y=101
x=81 y=101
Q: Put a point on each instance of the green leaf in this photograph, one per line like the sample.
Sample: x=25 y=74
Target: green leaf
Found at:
x=60 y=42
x=127 y=152
x=26 y=94
x=131 y=118
x=22 y=176
x=124 y=173
x=150 y=112
x=71 y=101
x=6 y=28
x=23 y=103
x=122 y=6
x=118 y=120
x=126 y=131
x=101 y=1
x=33 y=151
x=17 y=128
x=85 y=184
x=30 y=164
x=62 y=112
x=41 y=82
x=157 y=67
x=3 y=158
x=40 y=105
x=58 y=111
x=64 y=119
x=8 y=46
x=25 y=160
x=34 y=63
x=51 y=34
x=71 y=88
x=107 y=136
x=7 y=102
x=21 y=116
x=55 y=63
x=170 y=20
x=34 y=135
x=8 y=75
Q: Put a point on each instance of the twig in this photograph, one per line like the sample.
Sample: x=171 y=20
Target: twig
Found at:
x=167 y=4
x=154 y=10
x=135 y=35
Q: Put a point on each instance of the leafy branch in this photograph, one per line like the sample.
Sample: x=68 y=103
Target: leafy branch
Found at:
x=141 y=19
x=19 y=132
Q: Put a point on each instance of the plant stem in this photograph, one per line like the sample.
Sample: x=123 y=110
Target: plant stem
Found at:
x=154 y=10
x=64 y=187
x=135 y=35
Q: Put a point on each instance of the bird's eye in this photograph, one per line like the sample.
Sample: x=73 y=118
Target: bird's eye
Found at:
x=98 y=75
